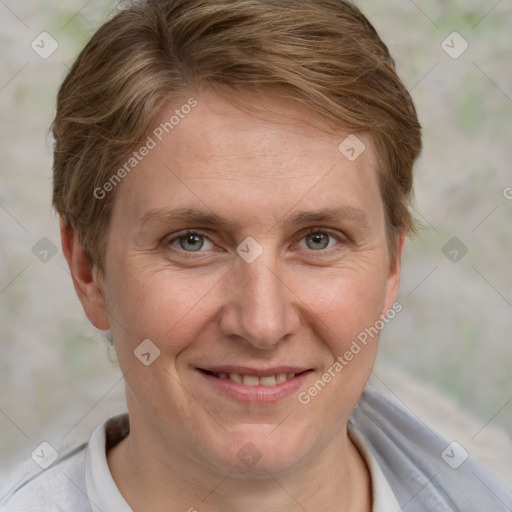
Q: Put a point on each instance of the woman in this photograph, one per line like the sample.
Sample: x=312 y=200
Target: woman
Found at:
x=233 y=182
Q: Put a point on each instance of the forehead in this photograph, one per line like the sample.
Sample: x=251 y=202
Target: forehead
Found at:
x=249 y=128
x=222 y=158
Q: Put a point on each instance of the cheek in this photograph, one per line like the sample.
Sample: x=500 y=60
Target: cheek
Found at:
x=348 y=311
x=161 y=305
x=346 y=308
x=347 y=301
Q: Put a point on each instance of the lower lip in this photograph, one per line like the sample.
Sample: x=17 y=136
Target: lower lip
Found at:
x=261 y=394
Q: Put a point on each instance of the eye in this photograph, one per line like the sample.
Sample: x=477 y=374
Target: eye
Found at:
x=318 y=240
x=191 y=241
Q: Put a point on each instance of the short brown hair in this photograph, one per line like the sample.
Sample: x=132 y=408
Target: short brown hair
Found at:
x=323 y=53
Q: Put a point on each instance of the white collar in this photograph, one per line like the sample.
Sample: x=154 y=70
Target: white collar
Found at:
x=383 y=497
x=104 y=496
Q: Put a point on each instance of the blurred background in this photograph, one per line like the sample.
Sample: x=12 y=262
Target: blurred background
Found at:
x=447 y=356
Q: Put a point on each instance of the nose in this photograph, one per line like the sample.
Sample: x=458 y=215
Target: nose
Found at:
x=260 y=307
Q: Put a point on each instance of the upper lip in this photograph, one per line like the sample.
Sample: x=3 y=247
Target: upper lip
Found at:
x=258 y=372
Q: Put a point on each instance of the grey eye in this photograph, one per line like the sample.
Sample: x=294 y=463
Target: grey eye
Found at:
x=317 y=241
x=191 y=242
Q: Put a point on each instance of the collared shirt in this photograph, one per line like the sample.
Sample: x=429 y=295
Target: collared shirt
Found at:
x=82 y=482
x=383 y=497
x=404 y=458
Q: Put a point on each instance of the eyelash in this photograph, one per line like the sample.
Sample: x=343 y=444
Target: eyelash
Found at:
x=191 y=254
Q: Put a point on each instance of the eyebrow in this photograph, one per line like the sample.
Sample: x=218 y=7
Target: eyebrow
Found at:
x=210 y=219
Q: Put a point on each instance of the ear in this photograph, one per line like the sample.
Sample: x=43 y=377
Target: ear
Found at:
x=395 y=270
x=86 y=278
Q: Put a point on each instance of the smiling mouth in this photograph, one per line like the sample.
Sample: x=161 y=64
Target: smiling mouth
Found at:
x=254 y=380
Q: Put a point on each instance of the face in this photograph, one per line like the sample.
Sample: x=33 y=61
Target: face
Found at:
x=252 y=253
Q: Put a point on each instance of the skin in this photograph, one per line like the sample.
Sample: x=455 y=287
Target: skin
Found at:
x=302 y=302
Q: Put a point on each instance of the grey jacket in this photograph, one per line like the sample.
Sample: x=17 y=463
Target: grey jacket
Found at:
x=426 y=472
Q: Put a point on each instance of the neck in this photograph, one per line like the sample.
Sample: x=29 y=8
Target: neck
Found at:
x=153 y=475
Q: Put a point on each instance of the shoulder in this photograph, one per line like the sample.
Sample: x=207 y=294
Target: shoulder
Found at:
x=78 y=478
x=57 y=488
x=425 y=470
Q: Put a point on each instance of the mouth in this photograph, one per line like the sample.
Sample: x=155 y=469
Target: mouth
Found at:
x=255 y=386
x=253 y=380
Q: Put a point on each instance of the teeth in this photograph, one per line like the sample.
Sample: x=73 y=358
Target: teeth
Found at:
x=253 y=380
x=250 y=380
x=236 y=377
x=270 y=380
x=281 y=377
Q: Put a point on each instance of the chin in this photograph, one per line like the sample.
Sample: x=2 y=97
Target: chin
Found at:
x=258 y=450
